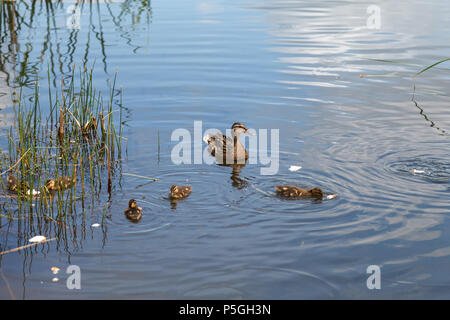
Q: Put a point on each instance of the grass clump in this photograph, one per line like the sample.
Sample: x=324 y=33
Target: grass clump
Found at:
x=75 y=140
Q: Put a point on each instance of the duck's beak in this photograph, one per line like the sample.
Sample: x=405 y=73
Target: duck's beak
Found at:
x=250 y=132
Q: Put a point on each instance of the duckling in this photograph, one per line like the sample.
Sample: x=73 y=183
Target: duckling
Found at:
x=227 y=150
x=60 y=183
x=179 y=192
x=14 y=184
x=133 y=212
x=297 y=192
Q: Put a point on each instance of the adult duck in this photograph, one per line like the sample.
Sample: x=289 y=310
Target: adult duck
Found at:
x=228 y=150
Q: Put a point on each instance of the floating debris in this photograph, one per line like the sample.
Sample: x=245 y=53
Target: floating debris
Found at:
x=55 y=280
x=331 y=196
x=138 y=176
x=294 y=168
x=55 y=270
x=27 y=246
x=95 y=225
x=37 y=239
x=32 y=192
x=417 y=171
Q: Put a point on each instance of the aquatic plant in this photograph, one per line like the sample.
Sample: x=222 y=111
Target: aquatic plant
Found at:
x=76 y=137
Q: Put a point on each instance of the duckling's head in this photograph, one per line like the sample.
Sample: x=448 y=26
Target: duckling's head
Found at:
x=50 y=184
x=11 y=179
x=132 y=204
x=173 y=188
x=316 y=192
x=239 y=128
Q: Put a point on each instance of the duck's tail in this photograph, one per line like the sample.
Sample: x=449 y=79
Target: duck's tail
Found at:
x=208 y=138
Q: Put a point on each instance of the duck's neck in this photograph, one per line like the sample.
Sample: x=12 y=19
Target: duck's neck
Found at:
x=235 y=135
x=235 y=143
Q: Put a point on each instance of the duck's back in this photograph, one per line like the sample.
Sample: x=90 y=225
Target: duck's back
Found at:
x=289 y=191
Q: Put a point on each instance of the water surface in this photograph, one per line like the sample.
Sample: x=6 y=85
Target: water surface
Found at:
x=341 y=96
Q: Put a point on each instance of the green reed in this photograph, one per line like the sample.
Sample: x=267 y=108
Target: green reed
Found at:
x=76 y=138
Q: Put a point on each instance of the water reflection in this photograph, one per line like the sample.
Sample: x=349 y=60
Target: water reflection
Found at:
x=23 y=50
x=238 y=182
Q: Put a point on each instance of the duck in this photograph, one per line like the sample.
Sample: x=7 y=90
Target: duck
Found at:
x=228 y=150
x=60 y=183
x=297 y=192
x=179 y=192
x=133 y=212
x=15 y=184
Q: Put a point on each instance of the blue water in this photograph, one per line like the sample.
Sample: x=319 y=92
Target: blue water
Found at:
x=340 y=95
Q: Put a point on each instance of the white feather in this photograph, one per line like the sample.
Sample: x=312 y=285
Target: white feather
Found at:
x=294 y=168
x=37 y=239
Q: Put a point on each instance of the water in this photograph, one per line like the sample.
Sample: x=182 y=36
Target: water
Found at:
x=288 y=65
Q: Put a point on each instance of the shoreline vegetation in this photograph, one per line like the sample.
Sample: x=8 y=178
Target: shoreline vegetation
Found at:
x=77 y=138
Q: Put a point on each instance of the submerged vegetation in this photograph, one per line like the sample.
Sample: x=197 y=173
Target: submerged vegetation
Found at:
x=64 y=156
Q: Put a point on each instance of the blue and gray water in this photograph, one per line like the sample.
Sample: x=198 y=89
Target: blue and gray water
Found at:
x=340 y=95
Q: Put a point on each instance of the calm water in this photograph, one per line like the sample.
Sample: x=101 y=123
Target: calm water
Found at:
x=288 y=65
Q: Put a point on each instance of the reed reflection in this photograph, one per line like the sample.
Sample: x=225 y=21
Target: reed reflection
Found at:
x=23 y=51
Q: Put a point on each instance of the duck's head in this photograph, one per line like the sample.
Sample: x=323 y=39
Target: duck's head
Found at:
x=238 y=128
x=173 y=189
x=132 y=204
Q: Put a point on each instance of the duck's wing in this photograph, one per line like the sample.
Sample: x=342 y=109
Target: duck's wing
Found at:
x=218 y=143
x=185 y=190
x=223 y=144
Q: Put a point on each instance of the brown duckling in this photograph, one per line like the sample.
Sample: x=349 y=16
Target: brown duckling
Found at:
x=60 y=183
x=297 y=192
x=15 y=184
x=179 y=192
x=133 y=212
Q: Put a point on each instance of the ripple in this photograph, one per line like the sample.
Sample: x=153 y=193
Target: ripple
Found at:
x=435 y=170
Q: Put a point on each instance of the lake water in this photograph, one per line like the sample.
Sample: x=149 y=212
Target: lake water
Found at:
x=340 y=95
